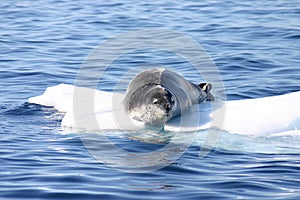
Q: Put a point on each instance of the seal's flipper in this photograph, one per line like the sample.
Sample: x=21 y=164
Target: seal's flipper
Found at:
x=206 y=87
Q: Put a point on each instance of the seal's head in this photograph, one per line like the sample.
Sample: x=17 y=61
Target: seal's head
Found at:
x=151 y=104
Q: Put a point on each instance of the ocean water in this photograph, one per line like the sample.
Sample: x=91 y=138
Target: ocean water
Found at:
x=254 y=44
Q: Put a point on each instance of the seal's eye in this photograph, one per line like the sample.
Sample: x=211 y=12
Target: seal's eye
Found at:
x=155 y=101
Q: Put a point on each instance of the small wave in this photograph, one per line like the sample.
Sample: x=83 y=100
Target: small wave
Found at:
x=27 y=109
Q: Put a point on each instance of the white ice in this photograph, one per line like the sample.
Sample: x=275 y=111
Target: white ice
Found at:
x=279 y=115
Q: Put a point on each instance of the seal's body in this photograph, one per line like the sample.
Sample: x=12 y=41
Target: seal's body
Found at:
x=157 y=95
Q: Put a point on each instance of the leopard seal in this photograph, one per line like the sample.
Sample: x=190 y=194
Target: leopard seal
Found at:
x=157 y=95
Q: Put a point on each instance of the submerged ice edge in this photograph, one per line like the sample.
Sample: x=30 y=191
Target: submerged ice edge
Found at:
x=282 y=141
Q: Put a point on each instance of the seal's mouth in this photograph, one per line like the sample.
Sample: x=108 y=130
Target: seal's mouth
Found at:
x=151 y=114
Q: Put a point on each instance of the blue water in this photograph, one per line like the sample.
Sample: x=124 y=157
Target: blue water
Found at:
x=254 y=44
